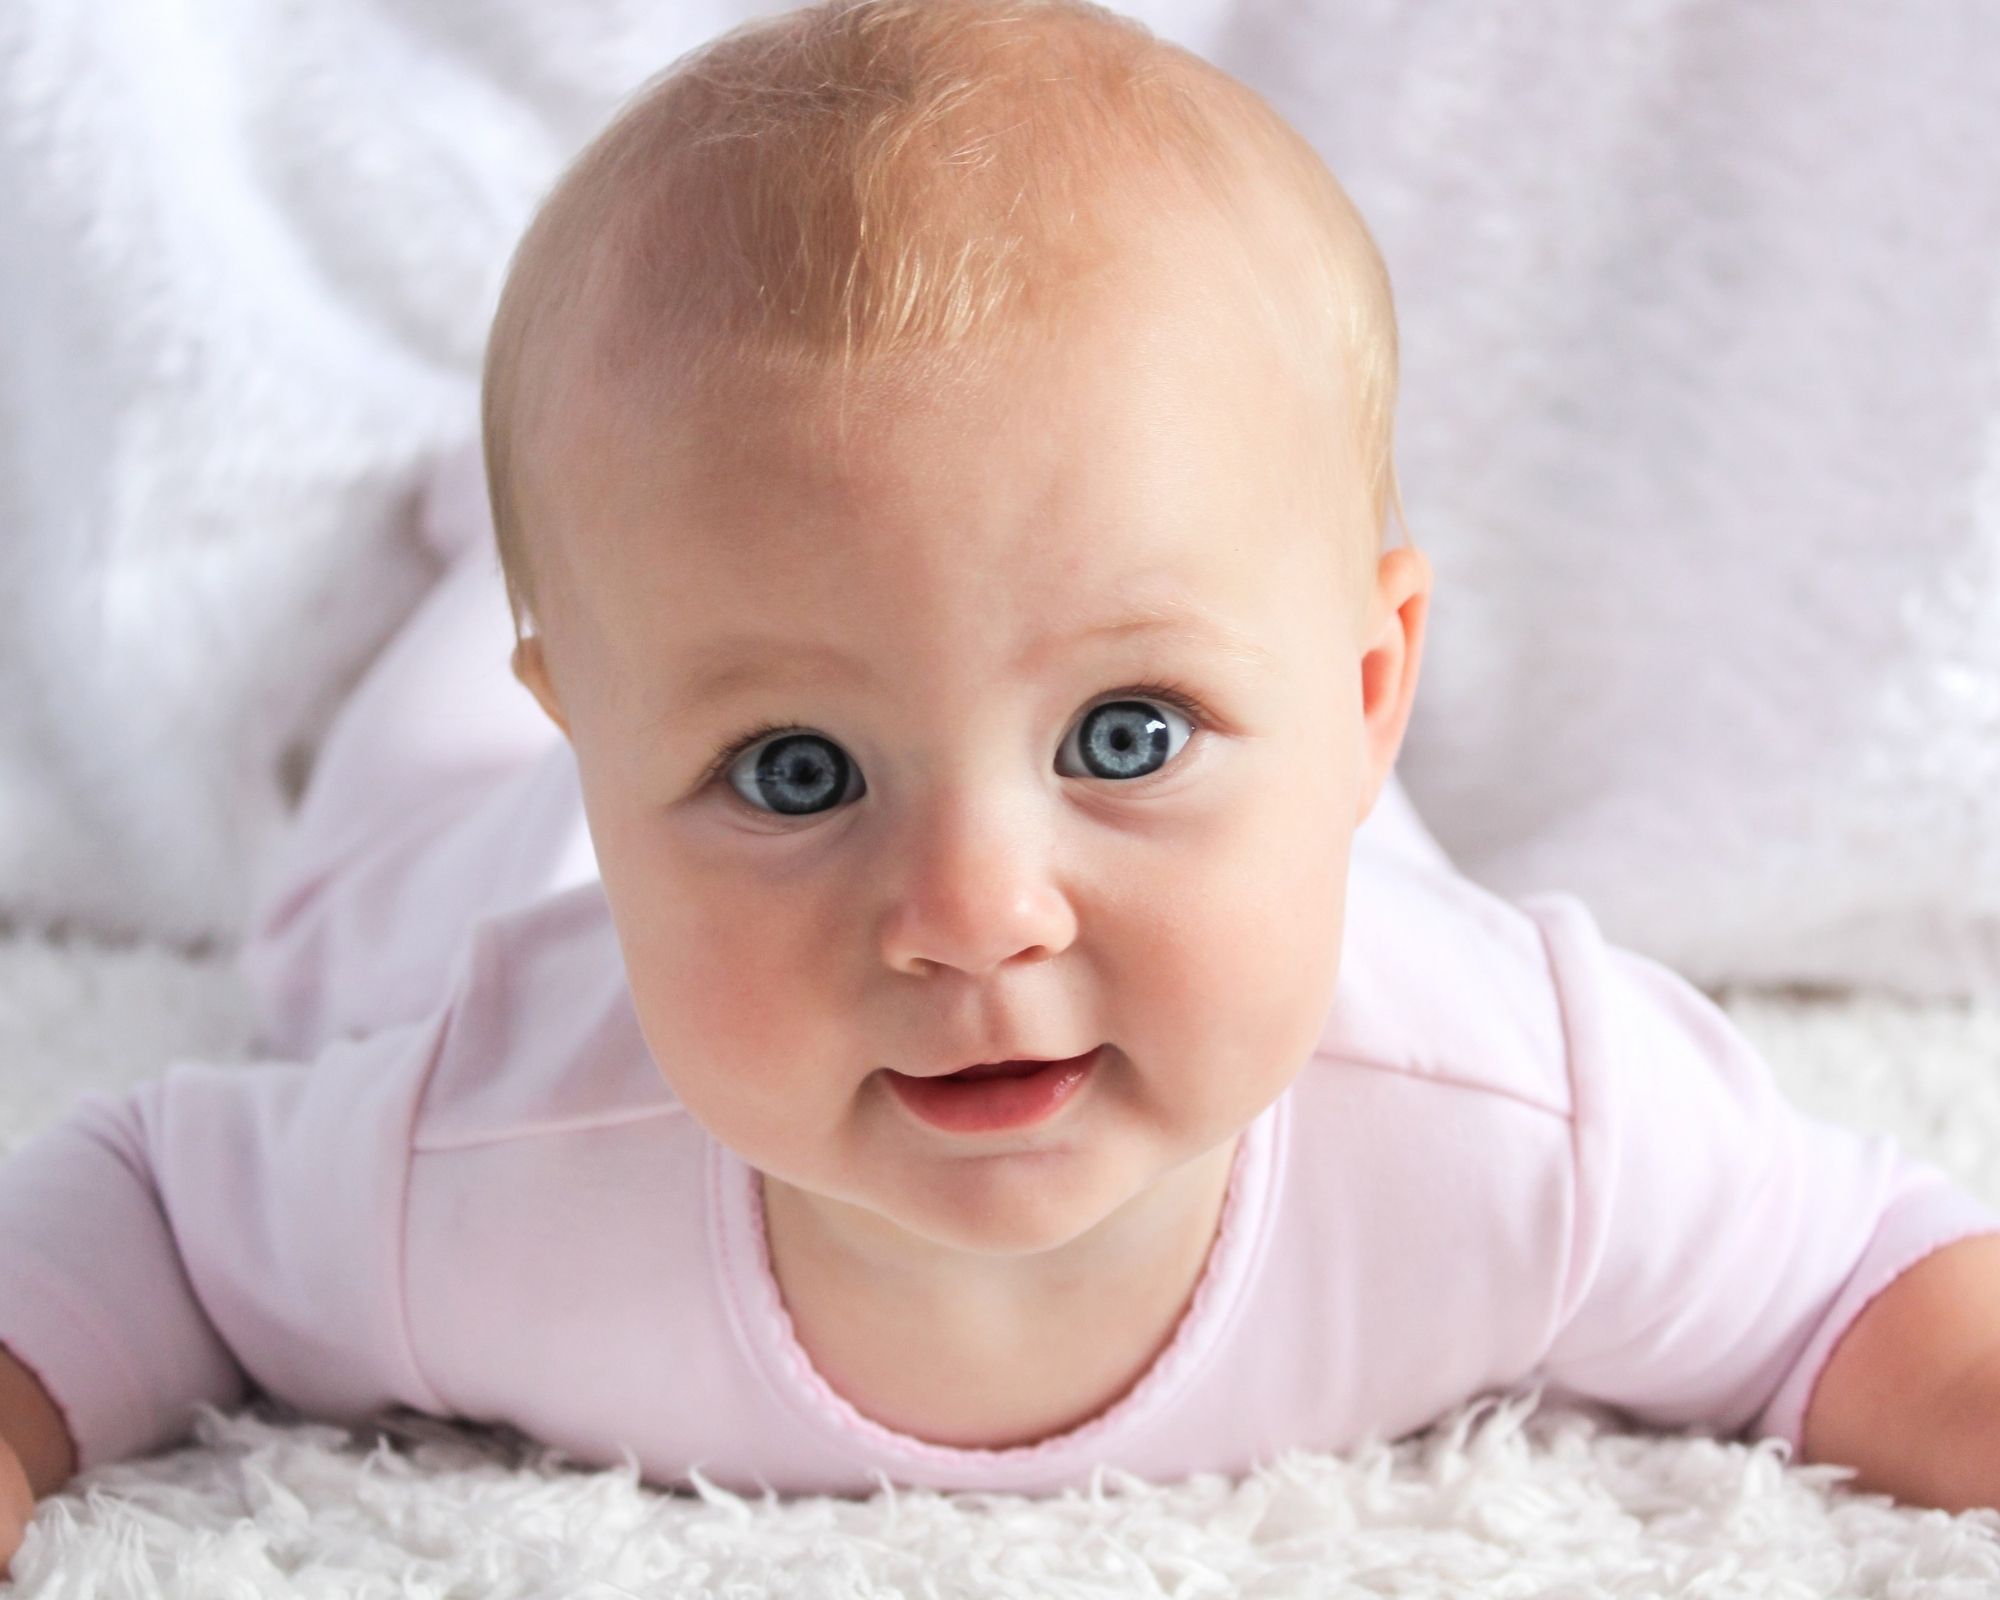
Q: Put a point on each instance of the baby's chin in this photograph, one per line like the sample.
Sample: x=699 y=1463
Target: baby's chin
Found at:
x=1108 y=1186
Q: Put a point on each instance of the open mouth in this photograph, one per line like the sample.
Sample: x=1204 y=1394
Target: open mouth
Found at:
x=1002 y=1069
x=997 y=1095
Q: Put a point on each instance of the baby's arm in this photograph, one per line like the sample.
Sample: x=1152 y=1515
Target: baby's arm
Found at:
x=36 y=1454
x=32 y=1430
x=219 y=1229
x=1911 y=1394
x=440 y=795
x=1722 y=1241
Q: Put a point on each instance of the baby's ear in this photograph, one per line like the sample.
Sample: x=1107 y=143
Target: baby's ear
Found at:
x=1390 y=661
x=531 y=667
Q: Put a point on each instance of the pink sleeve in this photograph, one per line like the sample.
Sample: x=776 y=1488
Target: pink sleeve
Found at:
x=216 y=1228
x=440 y=795
x=1720 y=1238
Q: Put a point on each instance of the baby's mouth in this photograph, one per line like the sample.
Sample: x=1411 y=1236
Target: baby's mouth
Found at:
x=997 y=1069
x=991 y=1096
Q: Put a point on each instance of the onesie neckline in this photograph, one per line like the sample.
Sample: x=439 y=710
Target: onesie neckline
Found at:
x=765 y=1329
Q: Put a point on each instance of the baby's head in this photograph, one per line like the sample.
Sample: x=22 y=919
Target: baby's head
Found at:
x=940 y=454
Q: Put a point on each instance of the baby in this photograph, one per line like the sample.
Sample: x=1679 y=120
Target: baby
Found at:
x=951 y=992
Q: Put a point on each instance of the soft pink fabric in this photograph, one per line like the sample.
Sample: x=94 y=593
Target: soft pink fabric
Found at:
x=1517 y=1153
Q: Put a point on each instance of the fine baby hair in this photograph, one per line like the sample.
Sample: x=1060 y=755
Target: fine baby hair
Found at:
x=889 y=196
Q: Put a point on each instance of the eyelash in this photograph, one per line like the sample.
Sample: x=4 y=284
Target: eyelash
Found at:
x=1181 y=699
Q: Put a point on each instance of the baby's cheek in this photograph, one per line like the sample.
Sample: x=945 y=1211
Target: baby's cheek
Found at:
x=719 y=983
x=1269 y=953
x=736 y=994
x=1218 y=967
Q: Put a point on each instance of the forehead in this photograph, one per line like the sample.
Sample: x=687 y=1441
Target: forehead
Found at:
x=1141 y=460
x=726 y=665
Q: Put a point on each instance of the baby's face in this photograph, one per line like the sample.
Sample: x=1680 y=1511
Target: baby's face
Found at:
x=989 y=828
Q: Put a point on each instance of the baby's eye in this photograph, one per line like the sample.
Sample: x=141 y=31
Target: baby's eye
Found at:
x=802 y=774
x=1127 y=738
x=799 y=773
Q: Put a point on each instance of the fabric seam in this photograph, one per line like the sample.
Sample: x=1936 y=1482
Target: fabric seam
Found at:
x=1580 y=1189
x=1445 y=1080
x=475 y=959
x=579 y=1124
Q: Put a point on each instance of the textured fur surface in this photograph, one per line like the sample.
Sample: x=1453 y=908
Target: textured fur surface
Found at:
x=1502 y=1498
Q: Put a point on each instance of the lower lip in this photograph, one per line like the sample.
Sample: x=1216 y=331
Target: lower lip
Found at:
x=991 y=1105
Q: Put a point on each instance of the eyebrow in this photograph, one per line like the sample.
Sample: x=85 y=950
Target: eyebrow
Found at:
x=733 y=665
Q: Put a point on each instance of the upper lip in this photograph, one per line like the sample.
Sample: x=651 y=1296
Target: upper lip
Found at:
x=993 y=1061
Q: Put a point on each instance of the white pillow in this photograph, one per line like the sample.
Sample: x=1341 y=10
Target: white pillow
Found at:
x=1700 y=426
x=250 y=257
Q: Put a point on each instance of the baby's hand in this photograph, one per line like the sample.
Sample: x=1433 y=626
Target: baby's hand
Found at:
x=17 y=1507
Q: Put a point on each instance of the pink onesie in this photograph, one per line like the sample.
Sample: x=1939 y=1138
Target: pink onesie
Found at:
x=456 y=1181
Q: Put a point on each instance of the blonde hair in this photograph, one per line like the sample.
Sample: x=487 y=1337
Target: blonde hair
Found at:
x=900 y=188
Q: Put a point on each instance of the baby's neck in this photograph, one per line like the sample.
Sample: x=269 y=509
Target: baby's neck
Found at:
x=1051 y=1350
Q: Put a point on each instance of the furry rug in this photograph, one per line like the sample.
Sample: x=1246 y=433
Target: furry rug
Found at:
x=1505 y=1497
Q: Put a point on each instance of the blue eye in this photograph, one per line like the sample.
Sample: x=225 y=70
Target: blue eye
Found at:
x=1127 y=739
x=800 y=773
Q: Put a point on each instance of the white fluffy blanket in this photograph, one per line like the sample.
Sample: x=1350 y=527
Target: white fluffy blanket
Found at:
x=1501 y=1499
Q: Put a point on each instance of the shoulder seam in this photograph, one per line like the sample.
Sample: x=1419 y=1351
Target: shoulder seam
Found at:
x=1446 y=1080
x=471 y=957
x=442 y=1030
x=583 y=1124
x=1567 y=1293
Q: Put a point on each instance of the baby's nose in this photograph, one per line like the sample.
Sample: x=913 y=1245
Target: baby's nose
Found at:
x=971 y=893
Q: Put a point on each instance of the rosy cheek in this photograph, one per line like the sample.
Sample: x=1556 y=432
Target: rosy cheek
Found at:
x=730 y=997
x=732 y=976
